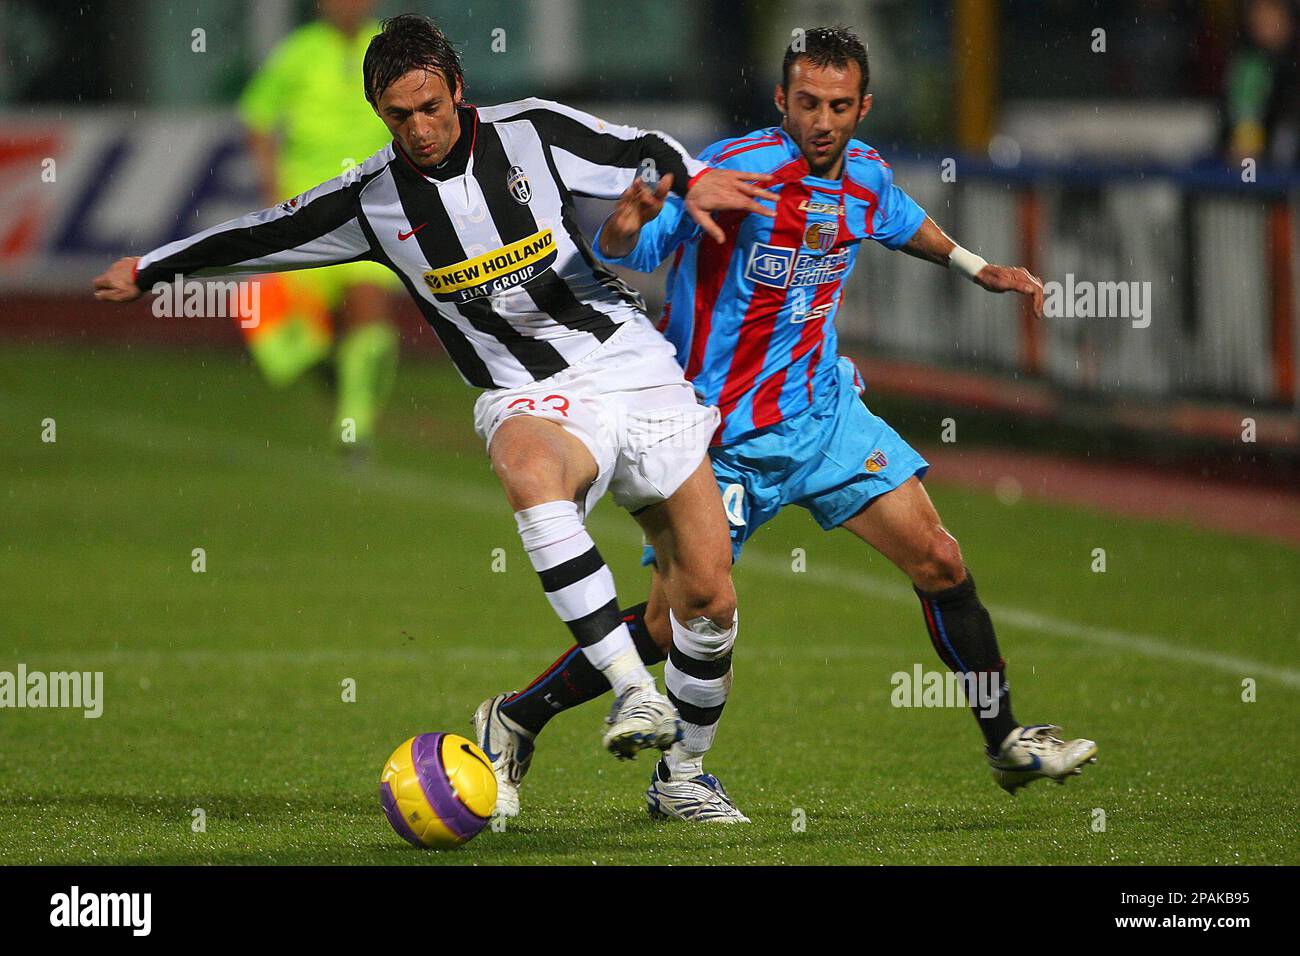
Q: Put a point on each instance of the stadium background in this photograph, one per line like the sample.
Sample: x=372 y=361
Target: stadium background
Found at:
x=1006 y=120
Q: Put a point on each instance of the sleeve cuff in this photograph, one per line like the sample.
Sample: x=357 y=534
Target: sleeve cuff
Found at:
x=145 y=278
x=695 y=178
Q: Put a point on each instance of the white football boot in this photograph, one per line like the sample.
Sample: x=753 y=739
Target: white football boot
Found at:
x=509 y=748
x=699 y=799
x=641 y=718
x=1032 y=752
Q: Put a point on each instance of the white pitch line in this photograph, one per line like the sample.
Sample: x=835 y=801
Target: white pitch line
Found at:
x=1143 y=644
x=403 y=482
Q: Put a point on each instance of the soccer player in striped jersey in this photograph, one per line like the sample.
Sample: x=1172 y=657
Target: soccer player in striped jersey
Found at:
x=753 y=321
x=472 y=209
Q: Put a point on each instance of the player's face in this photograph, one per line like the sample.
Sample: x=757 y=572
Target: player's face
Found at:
x=420 y=111
x=822 y=107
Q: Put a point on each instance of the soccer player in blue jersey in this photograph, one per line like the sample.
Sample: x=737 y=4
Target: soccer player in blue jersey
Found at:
x=753 y=321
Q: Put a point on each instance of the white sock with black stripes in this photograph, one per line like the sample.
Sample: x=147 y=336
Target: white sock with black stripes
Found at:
x=581 y=589
x=698 y=678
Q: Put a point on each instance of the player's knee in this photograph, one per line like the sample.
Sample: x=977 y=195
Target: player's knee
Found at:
x=941 y=565
x=701 y=584
x=531 y=472
x=712 y=597
x=526 y=482
x=537 y=461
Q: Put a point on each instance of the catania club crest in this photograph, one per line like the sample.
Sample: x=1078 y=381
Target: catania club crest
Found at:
x=820 y=236
x=517 y=183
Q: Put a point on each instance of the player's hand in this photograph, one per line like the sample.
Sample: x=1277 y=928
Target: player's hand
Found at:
x=1013 y=279
x=637 y=206
x=727 y=190
x=117 y=283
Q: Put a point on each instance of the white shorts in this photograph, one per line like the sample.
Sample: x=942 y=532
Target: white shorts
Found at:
x=630 y=404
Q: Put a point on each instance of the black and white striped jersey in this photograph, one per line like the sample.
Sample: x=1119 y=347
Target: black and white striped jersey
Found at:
x=493 y=256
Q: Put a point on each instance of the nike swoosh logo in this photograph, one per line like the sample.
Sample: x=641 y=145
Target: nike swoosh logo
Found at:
x=403 y=236
x=469 y=750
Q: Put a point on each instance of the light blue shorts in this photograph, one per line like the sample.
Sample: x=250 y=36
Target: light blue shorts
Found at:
x=832 y=458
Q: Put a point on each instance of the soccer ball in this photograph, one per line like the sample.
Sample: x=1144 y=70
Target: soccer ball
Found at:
x=438 y=790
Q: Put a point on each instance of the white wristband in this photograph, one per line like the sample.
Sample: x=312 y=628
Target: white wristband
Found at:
x=966 y=262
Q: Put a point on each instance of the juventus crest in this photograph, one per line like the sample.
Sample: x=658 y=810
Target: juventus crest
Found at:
x=517 y=183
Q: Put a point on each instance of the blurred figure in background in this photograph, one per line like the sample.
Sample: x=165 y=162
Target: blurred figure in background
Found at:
x=308 y=121
x=1262 y=96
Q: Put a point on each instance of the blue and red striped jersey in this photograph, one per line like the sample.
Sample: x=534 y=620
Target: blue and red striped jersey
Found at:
x=753 y=318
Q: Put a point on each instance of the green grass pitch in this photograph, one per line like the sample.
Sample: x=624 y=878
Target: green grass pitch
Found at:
x=223 y=690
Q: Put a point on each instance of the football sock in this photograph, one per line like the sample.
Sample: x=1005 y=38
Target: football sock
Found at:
x=367 y=367
x=962 y=633
x=571 y=680
x=580 y=588
x=698 y=678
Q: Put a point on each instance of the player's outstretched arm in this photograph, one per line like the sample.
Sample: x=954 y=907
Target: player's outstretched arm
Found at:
x=934 y=245
x=319 y=228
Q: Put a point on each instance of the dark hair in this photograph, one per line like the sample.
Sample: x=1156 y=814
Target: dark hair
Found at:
x=827 y=46
x=408 y=42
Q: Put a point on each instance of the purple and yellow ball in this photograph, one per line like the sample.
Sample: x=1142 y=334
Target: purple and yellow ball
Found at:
x=438 y=790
